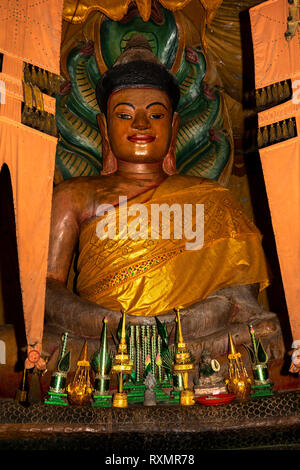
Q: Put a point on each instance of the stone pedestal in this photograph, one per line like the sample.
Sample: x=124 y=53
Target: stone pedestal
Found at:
x=267 y=423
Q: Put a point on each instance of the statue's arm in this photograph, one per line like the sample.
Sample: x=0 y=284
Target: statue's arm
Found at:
x=73 y=313
x=62 y=306
x=64 y=233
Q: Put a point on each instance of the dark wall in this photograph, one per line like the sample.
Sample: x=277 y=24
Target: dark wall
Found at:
x=9 y=265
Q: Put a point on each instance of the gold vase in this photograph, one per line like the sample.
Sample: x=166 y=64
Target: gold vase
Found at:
x=187 y=397
x=120 y=400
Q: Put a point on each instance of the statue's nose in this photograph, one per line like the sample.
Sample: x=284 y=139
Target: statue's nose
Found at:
x=141 y=121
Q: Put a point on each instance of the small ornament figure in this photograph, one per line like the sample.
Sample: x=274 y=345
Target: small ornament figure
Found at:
x=165 y=352
x=22 y=391
x=150 y=397
x=101 y=363
x=57 y=394
x=80 y=389
x=259 y=358
x=178 y=384
x=183 y=365
x=158 y=363
x=121 y=365
x=238 y=382
x=211 y=380
x=295 y=359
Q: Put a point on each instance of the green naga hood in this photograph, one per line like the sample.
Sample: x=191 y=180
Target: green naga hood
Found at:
x=204 y=146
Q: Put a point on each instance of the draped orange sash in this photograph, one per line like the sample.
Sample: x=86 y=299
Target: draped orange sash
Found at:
x=149 y=275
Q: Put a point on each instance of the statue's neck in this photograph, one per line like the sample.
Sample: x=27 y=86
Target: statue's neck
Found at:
x=150 y=172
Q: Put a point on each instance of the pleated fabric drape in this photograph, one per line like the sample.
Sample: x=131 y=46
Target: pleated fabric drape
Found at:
x=30 y=31
x=277 y=60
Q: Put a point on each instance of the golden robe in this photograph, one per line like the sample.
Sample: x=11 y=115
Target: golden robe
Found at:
x=151 y=276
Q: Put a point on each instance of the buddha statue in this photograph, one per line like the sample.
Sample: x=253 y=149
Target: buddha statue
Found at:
x=211 y=376
x=214 y=279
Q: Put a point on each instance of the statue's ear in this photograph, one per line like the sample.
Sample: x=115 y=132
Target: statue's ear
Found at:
x=109 y=161
x=169 y=163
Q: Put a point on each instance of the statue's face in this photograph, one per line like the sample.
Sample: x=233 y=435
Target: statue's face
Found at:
x=139 y=124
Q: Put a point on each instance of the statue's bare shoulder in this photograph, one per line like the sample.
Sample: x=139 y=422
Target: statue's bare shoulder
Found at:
x=73 y=203
x=78 y=197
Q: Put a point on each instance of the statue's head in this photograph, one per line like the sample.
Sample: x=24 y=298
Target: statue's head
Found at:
x=138 y=97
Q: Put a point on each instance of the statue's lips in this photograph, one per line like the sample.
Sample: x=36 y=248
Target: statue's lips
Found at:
x=141 y=139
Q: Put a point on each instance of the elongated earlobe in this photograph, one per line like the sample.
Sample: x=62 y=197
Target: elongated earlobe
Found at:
x=109 y=161
x=169 y=162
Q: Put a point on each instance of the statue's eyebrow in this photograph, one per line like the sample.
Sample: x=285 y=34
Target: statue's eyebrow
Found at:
x=156 y=102
x=127 y=104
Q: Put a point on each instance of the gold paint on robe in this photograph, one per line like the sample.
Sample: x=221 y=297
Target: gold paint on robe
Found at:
x=149 y=276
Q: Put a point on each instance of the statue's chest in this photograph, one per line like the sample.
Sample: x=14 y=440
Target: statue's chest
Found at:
x=112 y=196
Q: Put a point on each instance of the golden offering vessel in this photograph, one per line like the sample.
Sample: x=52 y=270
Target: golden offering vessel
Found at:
x=122 y=365
x=183 y=365
x=238 y=382
x=80 y=389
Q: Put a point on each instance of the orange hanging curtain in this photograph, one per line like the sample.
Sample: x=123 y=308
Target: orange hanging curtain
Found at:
x=277 y=59
x=29 y=154
x=30 y=32
x=281 y=169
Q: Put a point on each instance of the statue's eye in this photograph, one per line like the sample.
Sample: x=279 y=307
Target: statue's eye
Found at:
x=124 y=116
x=156 y=116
